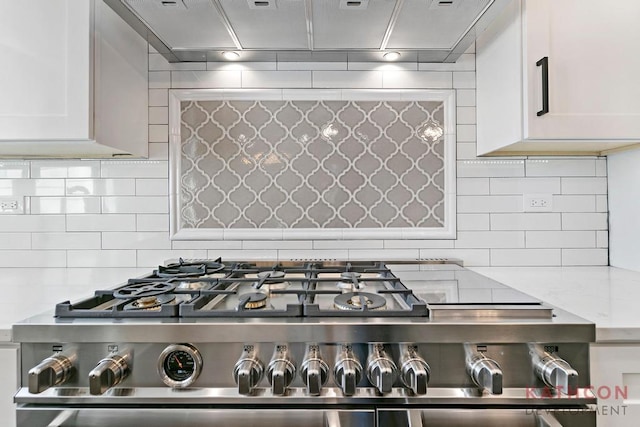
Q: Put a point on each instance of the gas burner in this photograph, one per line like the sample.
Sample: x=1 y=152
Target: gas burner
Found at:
x=350 y=280
x=359 y=301
x=271 y=281
x=146 y=303
x=139 y=290
x=192 y=286
x=252 y=301
x=182 y=269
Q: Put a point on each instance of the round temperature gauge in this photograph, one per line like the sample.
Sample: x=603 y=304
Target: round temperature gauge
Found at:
x=179 y=365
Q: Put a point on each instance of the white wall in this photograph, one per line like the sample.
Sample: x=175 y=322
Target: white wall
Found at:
x=92 y=213
x=624 y=209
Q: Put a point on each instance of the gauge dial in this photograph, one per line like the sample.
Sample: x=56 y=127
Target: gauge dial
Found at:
x=179 y=365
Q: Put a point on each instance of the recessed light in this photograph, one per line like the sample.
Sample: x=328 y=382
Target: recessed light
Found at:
x=231 y=56
x=391 y=56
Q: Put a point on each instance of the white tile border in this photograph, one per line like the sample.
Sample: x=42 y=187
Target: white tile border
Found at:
x=176 y=232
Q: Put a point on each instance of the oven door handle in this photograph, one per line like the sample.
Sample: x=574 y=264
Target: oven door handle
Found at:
x=63 y=417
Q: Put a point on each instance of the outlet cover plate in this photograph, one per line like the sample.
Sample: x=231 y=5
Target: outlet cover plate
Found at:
x=11 y=205
x=538 y=202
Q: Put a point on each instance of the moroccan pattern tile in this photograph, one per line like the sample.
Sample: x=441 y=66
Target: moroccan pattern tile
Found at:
x=311 y=164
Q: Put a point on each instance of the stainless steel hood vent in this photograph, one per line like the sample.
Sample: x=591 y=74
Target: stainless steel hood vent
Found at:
x=306 y=30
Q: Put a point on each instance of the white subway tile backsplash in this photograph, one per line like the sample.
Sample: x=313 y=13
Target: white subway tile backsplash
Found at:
x=65 y=240
x=489 y=204
x=31 y=187
x=584 y=185
x=31 y=223
x=158 y=97
x=466 y=115
x=601 y=167
x=65 y=205
x=490 y=168
x=244 y=254
x=560 y=239
x=574 y=203
x=150 y=258
x=152 y=222
x=466 y=133
x=14 y=169
x=159 y=133
x=206 y=244
x=29 y=258
x=470 y=257
x=347 y=79
x=277 y=244
x=15 y=240
x=465 y=98
x=99 y=187
x=347 y=244
x=135 y=169
x=561 y=167
x=526 y=221
x=473 y=222
x=466 y=62
x=241 y=66
x=289 y=254
x=525 y=185
x=205 y=79
x=276 y=79
x=158 y=151
x=472 y=186
x=602 y=239
x=152 y=187
x=385 y=254
x=584 y=221
x=417 y=244
x=310 y=66
x=585 y=257
x=602 y=203
x=136 y=240
x=65 y=169
x=159 y=79
x=135 y=204
x=101 y=258
x=376 y=66
x=158 y=115
x=490 y=239
x=101 y=222
x=466 y=150
x=157 y=62
x=464 y=80
x=525 y=257
x=416 y=79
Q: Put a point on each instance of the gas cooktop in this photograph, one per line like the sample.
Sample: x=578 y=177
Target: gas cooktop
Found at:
x=223 y=289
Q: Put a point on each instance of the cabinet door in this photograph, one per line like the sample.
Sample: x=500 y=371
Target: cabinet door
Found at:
x=593 y=69
x=615 y=376
x=44 y=77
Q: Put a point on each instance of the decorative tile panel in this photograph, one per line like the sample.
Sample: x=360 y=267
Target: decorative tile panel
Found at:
x=311 y=165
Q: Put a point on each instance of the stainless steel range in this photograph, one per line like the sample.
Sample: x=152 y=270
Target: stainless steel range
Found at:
x=315 y=343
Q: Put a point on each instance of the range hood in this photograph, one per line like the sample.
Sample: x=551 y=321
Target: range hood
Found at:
x=309 y=30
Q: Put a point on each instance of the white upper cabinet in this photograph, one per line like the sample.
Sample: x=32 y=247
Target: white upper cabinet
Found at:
x=73 y=81
x=585 y=100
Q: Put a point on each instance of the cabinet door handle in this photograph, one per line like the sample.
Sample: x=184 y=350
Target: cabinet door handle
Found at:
x=544 y=62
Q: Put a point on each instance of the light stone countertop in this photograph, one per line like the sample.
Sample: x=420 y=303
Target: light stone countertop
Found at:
x=607 y=296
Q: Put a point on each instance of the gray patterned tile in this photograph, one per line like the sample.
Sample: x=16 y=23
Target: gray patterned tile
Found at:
x=310 y=164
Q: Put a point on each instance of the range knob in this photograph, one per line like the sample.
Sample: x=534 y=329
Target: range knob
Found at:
x=313 y=370
x=281 y=370
x=347 y=371
x=248 y=370
x=414 y=371
x=381 y=371
x=485 y=373
x=109 y=372
x=54 y=370
x=554 y=371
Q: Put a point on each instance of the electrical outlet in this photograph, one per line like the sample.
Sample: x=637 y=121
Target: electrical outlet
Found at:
x=11 y=205
x=538 y=203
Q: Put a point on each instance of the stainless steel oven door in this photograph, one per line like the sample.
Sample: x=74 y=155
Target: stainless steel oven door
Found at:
x=583 y=416
x=30 y=416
